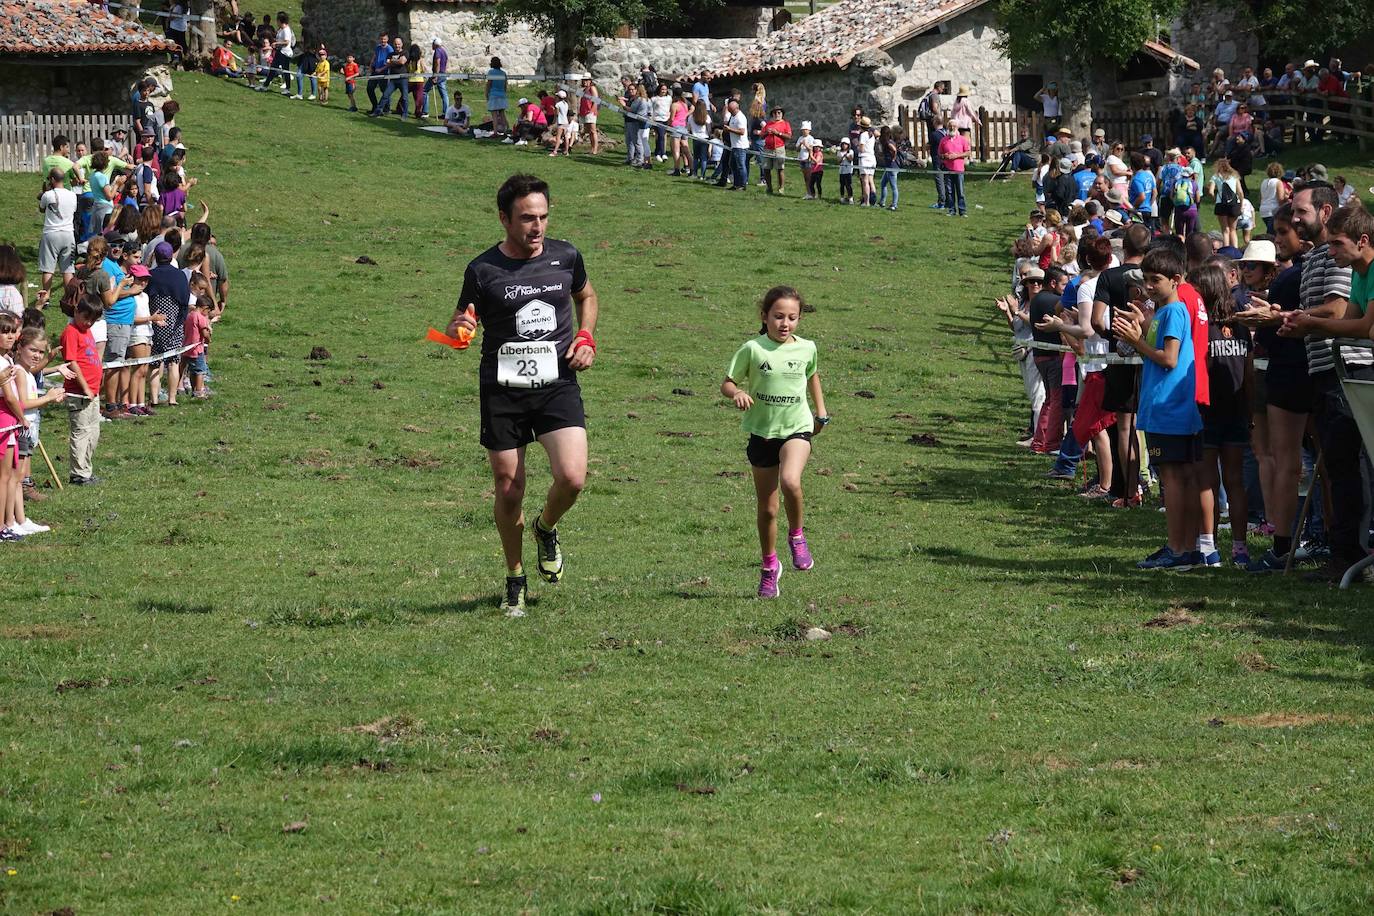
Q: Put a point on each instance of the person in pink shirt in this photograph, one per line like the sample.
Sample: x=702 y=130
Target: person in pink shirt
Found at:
x=955 y=151
x=197 y=336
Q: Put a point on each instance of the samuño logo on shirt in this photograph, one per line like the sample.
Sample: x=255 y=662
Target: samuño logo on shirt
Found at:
x=536 y=318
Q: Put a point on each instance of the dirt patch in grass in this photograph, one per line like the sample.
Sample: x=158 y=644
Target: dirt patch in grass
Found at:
x=36 y=631
x=388 y=728
x=1296 y=719
x=1253 y=661
x=88 y=684
x=421 y=460
x=926 y=439
x=547 y=735
x=695 y=790
x=1176 y=616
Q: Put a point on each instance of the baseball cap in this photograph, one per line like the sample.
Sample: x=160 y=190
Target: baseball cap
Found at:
x=163 y=251
x=138 y=270
x=1066 y=165
x=1147 y=138
x=1231 y=251
x=806 y=125
x=562 y=94
x=844 y=141
x=523 y=102
x=1037 y=214
x=1099 y=133
x=1094 y=159
x=1260 y=251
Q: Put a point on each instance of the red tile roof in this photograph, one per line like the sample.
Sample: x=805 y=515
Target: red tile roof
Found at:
x=67 y=26
x=838 y=33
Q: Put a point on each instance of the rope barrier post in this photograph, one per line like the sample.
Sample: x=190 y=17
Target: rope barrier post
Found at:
x=48 y=461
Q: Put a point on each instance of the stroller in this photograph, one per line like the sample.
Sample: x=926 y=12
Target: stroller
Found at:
x=1359 y=393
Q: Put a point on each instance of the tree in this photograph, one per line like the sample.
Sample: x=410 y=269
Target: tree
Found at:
x=1082 y=31
x=571 y=22
x=1294 y=28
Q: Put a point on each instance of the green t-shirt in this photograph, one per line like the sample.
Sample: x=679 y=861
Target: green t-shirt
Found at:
x=59 y=161
x=1362 y=289
x=775 y=376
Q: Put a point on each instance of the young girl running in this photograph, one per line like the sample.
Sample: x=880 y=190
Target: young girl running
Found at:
x=769 y=379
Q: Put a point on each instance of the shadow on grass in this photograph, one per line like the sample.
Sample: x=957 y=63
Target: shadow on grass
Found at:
x=154 y=606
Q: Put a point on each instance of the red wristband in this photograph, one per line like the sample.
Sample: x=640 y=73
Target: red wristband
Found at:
x=584 y=339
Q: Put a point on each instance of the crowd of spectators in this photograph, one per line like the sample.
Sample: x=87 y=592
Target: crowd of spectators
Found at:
x=1217 y=345
x=141 y=288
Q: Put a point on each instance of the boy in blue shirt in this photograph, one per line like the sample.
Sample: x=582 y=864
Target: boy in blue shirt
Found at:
x=1168 y=412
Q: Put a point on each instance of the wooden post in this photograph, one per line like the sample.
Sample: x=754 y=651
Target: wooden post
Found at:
x=982 y=134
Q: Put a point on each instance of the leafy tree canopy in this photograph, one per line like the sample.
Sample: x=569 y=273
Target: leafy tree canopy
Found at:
x=1086 y=30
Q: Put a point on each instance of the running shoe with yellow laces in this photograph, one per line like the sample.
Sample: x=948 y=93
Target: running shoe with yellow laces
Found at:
x=550 y=556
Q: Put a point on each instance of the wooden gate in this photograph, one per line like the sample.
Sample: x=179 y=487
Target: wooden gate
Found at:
x=25 y=139
x=995 y=132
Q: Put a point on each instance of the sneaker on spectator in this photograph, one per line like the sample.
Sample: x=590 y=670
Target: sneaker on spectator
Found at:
x=31 y=527
x=9 y=534
x=1240 y=557
x=1268 y=562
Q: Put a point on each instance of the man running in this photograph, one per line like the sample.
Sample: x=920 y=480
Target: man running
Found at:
x=525 y=290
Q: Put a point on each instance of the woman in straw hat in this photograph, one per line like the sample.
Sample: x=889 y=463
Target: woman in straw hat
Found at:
x=962 y=114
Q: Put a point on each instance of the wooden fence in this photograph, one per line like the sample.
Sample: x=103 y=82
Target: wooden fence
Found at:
x=25 y=139
x=995 y=131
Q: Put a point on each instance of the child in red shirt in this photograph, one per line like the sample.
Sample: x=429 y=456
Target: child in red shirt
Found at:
x=83 y=407
x=350 y=75
x=197 y=336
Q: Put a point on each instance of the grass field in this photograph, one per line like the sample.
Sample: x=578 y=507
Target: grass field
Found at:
x=279 y=609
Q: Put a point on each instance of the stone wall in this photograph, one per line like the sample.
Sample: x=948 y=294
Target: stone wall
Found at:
x=44 y=87
x=610 y=58
x=826 y=96
x=1215 y=35
x=470 y=47
x=349 y=26
x=961 y=53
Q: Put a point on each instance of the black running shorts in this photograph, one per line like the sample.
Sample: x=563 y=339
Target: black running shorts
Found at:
x=1289 y=388
x=1122 y=388
x=767 y=453
x=1166 y=449
x=512 y=417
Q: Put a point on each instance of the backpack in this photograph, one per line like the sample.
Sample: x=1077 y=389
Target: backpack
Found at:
x=1182 y=194
x=1225 y=193
x=923 y=108
x=71 y=293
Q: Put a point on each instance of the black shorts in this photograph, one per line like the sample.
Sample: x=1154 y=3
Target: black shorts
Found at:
x=1289 y=388
x=1232 y=210
x=1166 y=449
x=1121 y=390
x=767 y=453
x=512 y=417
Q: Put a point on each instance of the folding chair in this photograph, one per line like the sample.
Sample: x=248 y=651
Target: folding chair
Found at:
x=1359 y=393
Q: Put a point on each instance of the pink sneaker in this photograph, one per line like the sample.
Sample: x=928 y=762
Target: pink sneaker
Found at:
x=768 y=581
x=801 y=553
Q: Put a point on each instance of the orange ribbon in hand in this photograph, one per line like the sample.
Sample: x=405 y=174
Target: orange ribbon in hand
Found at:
x=460 y=342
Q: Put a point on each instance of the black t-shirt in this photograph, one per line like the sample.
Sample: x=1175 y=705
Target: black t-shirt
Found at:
x=519 y=302
x=1113 y=290
x=1228 y=349
x=1154 y=157
x=1285 y=292
x=1044 y=304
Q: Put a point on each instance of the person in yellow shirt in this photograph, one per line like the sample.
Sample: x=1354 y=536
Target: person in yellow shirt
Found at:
x=322 y=75
x=416 y=76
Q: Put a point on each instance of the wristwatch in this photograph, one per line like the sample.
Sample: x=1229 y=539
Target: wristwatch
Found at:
x=824 y=421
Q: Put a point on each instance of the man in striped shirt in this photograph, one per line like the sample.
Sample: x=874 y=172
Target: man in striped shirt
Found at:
x=1325 y=297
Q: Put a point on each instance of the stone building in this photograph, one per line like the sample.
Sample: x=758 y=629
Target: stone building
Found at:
x=352 y=26
x=873 y=53
x=67 y=57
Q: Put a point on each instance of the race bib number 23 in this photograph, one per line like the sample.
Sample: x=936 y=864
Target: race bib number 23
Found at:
x=527 y=365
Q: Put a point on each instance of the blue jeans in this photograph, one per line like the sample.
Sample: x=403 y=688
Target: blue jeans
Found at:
x=439 y=83
x=889 y=181
x=1070 y=453
x=939 y=184
x=1022 y=160
x=634 y=149
x=739 y=166
x=303 y=74
x=395 y=85
x=954 y=193
x=701 y=152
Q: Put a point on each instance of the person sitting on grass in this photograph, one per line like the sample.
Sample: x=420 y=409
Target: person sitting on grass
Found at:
x=458 y=117
x=1168 y=412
